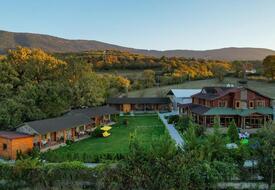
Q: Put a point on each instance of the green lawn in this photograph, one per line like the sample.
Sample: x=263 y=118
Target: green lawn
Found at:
x=261 y=86
x=90 y=150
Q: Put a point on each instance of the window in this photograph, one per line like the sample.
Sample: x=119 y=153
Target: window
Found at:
x=251 y=104
x=223 y=103
x=237 y=104
x=260 y=103
x=5 y=146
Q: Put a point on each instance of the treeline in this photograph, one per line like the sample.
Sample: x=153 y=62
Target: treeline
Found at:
x=35 y=85
x=112 y=59
x=165 y=70
x=171 y=70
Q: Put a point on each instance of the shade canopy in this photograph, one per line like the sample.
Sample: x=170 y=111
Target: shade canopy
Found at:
x=106 y=134
x=106 y=128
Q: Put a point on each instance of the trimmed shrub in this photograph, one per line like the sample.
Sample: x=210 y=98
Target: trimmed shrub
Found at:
x=125 y=122
x=173 y=119
x=97 y=132
x=69 y=142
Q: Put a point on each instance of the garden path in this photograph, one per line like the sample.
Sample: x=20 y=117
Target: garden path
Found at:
x=171 y=129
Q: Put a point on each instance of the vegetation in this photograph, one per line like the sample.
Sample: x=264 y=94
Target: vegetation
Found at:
x=204 y=162
x=116 y=146
x=35 y=85
x=165 y=167
x=269 y=67
x=232 y=132
x=212 y=147
x=265 y=153
x=162 y=70
x=31 y=173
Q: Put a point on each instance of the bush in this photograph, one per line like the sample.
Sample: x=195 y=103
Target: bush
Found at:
x=183 y=123
x=35 y=153
x=173 y=119
x=126 y=122
x=232 y=132
x=69 y=142
x=114 y=118
x=32 y=174
x=97 y=133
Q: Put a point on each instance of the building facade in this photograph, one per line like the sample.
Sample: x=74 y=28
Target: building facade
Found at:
x=12 y=143
x=71 y=126
x=248 y=108
x=181 y=96
x=153 y=104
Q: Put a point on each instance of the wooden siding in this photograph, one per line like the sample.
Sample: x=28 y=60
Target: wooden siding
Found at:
x=24 y=145
x=126 y=108
x=232 y=98
x=142 y=107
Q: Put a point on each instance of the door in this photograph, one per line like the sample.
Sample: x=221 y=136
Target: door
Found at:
x=126 y=108
x=53 y=136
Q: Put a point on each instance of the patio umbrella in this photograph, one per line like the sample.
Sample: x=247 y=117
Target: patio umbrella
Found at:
x=106 y=128
x=106 y=134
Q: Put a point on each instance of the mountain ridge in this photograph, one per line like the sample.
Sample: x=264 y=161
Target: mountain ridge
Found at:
x=9 y=40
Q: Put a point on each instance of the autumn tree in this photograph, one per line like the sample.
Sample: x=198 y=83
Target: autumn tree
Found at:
x=36 y=85
x=35 y=65
x=219 y=71
x=148 y=78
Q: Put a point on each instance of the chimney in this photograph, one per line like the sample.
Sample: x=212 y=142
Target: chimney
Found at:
x=243 y=97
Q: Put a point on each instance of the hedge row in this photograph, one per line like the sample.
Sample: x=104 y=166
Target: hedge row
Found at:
x=51 y=156
x=31 y=173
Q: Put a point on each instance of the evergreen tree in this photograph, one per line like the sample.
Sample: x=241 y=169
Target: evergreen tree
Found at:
x=232 y=132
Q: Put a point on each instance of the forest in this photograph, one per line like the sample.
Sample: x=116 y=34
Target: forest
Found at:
x=163 y=70
x=35 y=85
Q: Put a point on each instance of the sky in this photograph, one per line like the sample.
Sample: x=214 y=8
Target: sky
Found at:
x=148 y=24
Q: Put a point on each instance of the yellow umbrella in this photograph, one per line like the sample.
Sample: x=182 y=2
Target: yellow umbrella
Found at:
x=106 y=134
x=106 y=128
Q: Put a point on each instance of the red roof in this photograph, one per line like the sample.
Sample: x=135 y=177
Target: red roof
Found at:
x=12 y=135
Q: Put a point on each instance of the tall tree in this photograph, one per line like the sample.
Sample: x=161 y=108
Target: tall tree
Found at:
x=148 y=78
x=269 y=66
x=237 y=67
x=232 y=132
x=266 y=153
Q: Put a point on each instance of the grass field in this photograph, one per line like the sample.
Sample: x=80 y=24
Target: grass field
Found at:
x=90 y=150
x=261 y=86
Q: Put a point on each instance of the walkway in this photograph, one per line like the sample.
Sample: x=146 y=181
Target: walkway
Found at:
x=171 y=129
x=58 y=145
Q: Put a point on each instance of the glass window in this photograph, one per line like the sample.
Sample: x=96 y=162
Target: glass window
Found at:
x=260 y=103
x=5 y=146
x=237 y=104
x=223 y=103
x=251 y=104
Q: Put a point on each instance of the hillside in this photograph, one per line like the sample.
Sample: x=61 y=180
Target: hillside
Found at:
x=9 y=40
